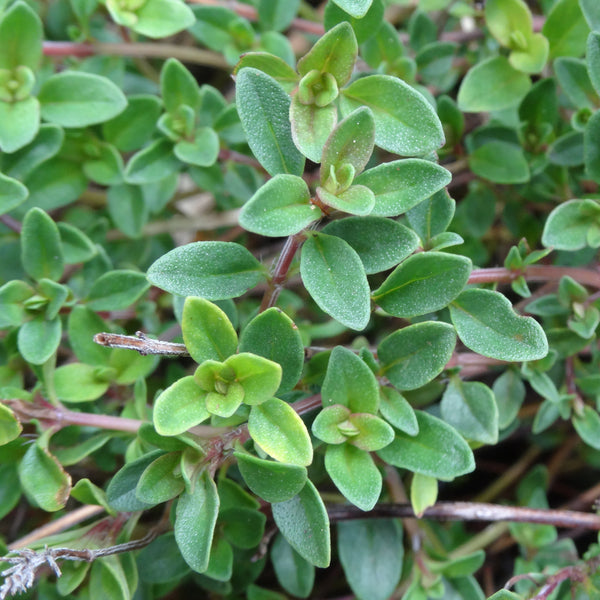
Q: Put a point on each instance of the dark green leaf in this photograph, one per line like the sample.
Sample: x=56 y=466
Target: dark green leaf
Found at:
x=334 y=276
x=211 y=270
x=587 y=425
x=155 y=162
x=272 y=481
x=160 y=481
x=371 y=554
x=304 y=523
x=195 y=520
x=413 y=356
x=405 y=123
x=116 y=290
x=75 y=99
x=397 y=410
x=364 y=24
x=41 y=252
x=264 y=107
x=591 y=148
x=277 y=16
x=509 y=392
x=295 y=574
x=487 y=324
x=423 y=283
x=161 y=561
x=572 y=224
x=500 y=162
x=574 y=78
x=178 y=86
x=437 y=450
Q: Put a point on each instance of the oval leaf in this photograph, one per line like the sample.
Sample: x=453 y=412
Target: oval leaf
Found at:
x=334 y=276
x=487 y=324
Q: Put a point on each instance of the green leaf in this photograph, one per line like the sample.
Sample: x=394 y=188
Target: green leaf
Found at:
x=371 y=553
x=405 y=123
x=105 y=165
x=116 y=290
x=364 y=26
x=277 y=16
x=211 y=270
x=587 y=425
x=504 y=17
x=12 y=296
x=178 y=86
x=423 y=283
x=21 y=35
x=161 y=561
x=500 y=162
x=350 y=382
x=75 y=99
x=78 y=382
x=413 y=356
x=295 y=574
x=470 y=407
x=432 y=216
x=505 y=86
x=202 y=151
x=264 y=107
x=566 y=29
x=380 y=243
x=160 y=482
x=273 y=335
x=82 y=325
x=280 y=207
x=350 y=143
x=132 y=128
x=258 y=376
x=207 y=332
x=355 y=8
x=331 y=424
x=121 y=489
x=304 y=523
x=593 y=58
x=12 y=193
x=569 y=225
x=19 y=123
x=402 y=184
x=533 y=58
x=10 y=428
x=437 y=450
x=107 y=580
x=354 y=473
x=41 y=252
x=574 y=78
x=487 y=324
x=195 y=520
x=179 y=407
x=355 y=200
x=39 y=338
x=423 y=493
x=509 y=392
x=334 y=276
x=44 y=479
x=127 y=209
x=154 y=18
x=272 y=481
x=591 y=145
x=278 y=430
x=397 y=410
x=272 y=65
x=311 y=126
x=153 y=163
x=335 y=53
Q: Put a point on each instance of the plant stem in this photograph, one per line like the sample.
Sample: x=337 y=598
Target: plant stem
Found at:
x=141 y=343
x=536 y=273
x=183 y=53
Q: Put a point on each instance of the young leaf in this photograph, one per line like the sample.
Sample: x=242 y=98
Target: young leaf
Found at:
x=21 y=35
x=413 y=356
x=211 y=270
x=195 y=520
x=12 y=193
x=39 y=338
x=264 y=107
x=371 y=553
x=423 y=283
x=354 y=474
x=76 y=99
x=304 y=523
x=272 y=481
x=570 y=224
x=178 y=86
x=279 y=208
x=273 y=335
x=405 y=123
x=311 y=126
x=423 y=493
x=278 y=430
x=258 y=376
x=10 y=427
x=437 y=450
x=350 y=382
x=207 y=332
x=470 y=407
x=179 y=407
x=334 y=276
x=159 y=481
x=334 y=53
x=486 y=323
x=41 y=252
x=364 y=26
x=401 y=184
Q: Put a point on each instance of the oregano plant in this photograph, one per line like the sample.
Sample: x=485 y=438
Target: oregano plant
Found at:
x=292 y=293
